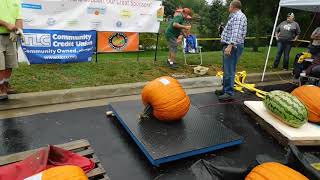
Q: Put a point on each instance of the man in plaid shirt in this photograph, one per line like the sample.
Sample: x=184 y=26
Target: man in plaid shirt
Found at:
x=232 y=39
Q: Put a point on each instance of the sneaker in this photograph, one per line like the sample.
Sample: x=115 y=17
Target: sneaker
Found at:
x=9 y=88
x=284 y=69
x=171 y=64
x=174 y=65
x=225 y=97
x=219 y=92
x=3 y=92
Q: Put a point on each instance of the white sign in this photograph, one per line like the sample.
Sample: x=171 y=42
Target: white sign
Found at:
x=101 y=15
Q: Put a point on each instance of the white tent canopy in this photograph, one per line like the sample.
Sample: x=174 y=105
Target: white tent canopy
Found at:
x=306 y=5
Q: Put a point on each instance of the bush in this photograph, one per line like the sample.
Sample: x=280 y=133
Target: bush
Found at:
x=149 y=41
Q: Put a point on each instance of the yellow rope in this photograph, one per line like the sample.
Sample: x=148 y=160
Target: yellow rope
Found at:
x=240 y=84
x=304 y=56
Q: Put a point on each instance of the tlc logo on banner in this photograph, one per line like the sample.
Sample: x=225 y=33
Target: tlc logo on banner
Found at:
x=47 y=47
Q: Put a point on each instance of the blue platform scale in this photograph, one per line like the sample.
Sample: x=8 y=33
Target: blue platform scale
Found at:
x=165 y=142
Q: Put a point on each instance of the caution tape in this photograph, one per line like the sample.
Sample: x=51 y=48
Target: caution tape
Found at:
x=217 y=39
x=248 y=38
x=240 y=84
x=305 y=41
x=209 y=39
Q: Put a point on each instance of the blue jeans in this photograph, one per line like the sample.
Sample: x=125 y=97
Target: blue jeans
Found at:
x=283 y=47
x=229 y=68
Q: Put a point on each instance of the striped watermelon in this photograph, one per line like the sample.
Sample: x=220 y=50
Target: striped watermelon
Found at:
x=286 y=106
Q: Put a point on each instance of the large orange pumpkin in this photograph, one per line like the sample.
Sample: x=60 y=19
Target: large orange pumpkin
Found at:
x=274 y=171
x=61 y=173
x=167 y=98
x=310 y=97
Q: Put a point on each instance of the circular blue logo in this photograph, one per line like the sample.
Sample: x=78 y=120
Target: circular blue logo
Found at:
x=119 y=24
x=51 y=21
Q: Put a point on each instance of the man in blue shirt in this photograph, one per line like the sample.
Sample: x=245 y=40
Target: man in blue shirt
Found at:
x=232 y=39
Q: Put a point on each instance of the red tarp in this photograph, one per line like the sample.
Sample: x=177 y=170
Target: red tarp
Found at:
x=42 y=160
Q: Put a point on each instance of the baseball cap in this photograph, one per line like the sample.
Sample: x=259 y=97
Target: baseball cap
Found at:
x=290 y=14
x=187 y=11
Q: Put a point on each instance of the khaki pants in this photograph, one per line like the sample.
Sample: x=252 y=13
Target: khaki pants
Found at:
x=172 y=45
x=8 y=53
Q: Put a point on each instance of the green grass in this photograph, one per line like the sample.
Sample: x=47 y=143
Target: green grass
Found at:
x=123 y=68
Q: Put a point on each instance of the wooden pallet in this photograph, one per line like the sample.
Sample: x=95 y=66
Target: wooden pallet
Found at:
x=81 y=147
x=276 y=134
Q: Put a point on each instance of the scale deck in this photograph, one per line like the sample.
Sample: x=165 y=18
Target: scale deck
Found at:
x=163 y=142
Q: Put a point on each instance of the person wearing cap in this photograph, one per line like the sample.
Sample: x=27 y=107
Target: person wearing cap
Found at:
x=10 y=28
x=232 y=39
x=286 y=32
x=173 y=31
x=178 y=11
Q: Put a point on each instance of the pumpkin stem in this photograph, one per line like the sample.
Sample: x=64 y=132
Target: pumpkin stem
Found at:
x=147 y=112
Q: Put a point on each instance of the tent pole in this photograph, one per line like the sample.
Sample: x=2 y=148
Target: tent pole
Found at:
x=271 y=40
x=155 y=54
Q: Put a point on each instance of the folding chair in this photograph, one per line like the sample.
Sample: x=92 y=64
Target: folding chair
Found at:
x=308 y=80
x=191 y=50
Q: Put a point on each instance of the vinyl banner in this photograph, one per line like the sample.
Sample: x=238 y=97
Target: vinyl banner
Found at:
x=47 y=47
x=118 y=42
x=100 y=15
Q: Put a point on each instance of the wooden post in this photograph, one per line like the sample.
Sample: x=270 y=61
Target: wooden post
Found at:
x=96 y=46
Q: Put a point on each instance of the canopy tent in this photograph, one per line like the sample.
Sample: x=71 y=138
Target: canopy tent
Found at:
x=306 y=5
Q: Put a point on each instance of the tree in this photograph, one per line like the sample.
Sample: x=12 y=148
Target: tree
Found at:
x=260 y=14
x=210 y=18
x=260 y=17
x=170 y=6
x=194 y=5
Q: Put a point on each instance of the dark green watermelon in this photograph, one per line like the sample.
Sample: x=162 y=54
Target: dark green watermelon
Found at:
x=287 y=107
